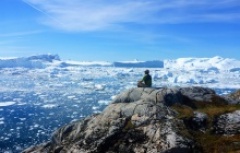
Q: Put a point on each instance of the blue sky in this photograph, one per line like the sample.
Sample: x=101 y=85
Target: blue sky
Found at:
x=113 y=30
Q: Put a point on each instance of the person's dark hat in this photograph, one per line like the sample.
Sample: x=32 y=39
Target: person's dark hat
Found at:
x=146 y=71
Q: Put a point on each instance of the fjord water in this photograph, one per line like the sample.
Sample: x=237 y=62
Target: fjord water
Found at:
x=35 y=101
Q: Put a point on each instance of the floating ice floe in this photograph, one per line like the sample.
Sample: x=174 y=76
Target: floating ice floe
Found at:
x=20 y=104
x=113 y=97
x=51 y=114
x=103 y=102
x=74 y=120
x=22 y=119
x=49 y=106
x=36 y=125
x=95 y=107
x=18 y=128
x=17 y=99
x=7 y=103
x=99 y=87
x=71 y=97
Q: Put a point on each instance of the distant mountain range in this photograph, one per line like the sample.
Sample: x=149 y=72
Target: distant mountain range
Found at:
x=42 y=61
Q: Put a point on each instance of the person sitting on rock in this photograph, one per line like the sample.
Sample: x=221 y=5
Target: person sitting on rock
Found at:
x=146 y=81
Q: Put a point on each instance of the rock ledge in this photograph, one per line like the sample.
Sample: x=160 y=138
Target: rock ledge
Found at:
x=142 y=120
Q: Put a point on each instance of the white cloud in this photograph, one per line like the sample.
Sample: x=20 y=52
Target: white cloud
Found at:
x=90 y=15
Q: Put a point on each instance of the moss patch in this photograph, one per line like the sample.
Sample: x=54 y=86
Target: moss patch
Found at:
x=217 y=143
x=213 y=111
x=128 y=125
x=183 y=111
x=207 y=140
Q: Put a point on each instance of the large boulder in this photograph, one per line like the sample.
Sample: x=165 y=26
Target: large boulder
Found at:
x=140 y=120
x=228 y=124
x=234 y=98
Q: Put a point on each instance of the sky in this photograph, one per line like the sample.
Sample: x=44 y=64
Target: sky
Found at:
x=110 y=30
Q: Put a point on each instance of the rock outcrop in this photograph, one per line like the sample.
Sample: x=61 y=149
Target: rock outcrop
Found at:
x=148 y=120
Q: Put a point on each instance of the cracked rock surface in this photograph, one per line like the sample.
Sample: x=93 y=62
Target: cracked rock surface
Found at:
x=138 y=120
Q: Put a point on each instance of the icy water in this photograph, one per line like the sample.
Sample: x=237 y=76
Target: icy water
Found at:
x=34 y=103
x=30 y=120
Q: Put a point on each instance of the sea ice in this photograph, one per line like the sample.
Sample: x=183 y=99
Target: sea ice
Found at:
x=71 y=97
x=51 y=114
x=18 y=128
x=7 y=103
x=85 y=88
x=95 y=107
x=20 y=104
x=103 y=102
x=99 y=87
x=113 y=97
x=22 y=119
x=49 y=106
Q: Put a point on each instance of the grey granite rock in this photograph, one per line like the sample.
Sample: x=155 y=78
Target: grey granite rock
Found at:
x=228 y=124
x=139 y=121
